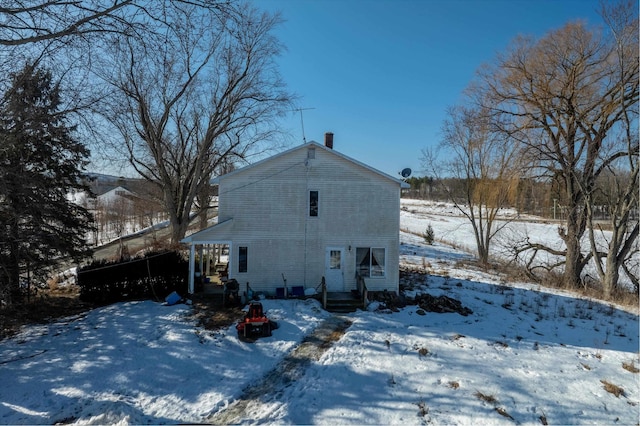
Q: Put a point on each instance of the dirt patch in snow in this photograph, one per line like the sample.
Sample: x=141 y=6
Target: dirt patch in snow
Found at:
x=289 y=370
x=211 y=315
x=46 y=306
x=50 y=305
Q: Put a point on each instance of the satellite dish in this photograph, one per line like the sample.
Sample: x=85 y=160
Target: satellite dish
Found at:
x=405 y=173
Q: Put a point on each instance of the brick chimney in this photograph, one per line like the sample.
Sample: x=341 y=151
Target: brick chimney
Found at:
x=328 y=140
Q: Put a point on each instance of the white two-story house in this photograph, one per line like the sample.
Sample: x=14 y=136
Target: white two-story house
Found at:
x=304 y=214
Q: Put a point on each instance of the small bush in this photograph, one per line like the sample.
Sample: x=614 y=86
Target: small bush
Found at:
x=503 y=413
x=429 y=235
x=630 y=367
x=486 y=398
x=543 y=419
x=423 y=408
x=612 y=389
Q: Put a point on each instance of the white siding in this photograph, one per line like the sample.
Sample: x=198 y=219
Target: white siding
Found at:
x=269 y=205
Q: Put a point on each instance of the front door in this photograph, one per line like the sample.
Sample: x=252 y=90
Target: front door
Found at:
x=333 y=273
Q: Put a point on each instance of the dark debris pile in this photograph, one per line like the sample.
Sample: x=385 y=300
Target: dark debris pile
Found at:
x=441 y=304
x=388 y=300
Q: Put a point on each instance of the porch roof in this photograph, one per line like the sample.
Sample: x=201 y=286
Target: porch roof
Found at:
x=211 y=235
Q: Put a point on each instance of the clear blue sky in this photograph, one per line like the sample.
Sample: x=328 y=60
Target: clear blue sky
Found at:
x=380 y=73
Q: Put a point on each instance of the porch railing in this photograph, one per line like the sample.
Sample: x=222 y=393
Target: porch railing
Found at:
x=362 y=290
x=324 y=293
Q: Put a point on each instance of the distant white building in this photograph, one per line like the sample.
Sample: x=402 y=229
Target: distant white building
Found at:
x=113 y=197
x=304 y=214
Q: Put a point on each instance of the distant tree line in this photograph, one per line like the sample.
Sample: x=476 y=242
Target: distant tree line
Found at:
x=537 y=197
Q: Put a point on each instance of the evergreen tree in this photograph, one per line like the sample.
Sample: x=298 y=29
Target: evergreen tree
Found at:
x=40 y=164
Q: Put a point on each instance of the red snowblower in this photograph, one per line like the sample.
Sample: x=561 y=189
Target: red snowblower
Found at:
x=255 y=323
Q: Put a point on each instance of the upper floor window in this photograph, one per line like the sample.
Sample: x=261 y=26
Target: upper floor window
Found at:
x=313 y=203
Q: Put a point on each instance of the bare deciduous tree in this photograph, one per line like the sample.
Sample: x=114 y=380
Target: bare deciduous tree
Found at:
x=613 y=250
x=24 y=23
x=621 y=176
x=70 y=37
x=562 y=97
x=27 y=22
x=486 y=162
x=206 y=92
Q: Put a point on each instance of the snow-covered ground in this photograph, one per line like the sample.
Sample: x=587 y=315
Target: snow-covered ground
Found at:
x=525 y=355
x=453 y=228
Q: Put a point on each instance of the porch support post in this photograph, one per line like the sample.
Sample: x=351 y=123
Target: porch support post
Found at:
x=207 y=265
x=192 y=267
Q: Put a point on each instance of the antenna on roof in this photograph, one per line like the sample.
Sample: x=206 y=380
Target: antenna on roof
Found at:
x=304 y=139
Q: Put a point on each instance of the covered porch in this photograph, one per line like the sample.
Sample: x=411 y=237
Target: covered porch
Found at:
x=209 y=258
x=209 y=267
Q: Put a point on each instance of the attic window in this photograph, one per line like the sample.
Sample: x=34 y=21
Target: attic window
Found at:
x=311 y=153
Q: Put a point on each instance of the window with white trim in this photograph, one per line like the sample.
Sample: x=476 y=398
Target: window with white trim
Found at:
x=370 y=261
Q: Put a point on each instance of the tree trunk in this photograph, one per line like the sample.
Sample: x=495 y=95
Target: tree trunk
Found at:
x=574 y=261
x=203 y=218
x=179 y=227
x=13 y=284
x=572 y=268
x=611 y=277
x=483 y=255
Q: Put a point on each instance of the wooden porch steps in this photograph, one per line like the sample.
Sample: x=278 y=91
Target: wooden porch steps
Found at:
x=343 y=302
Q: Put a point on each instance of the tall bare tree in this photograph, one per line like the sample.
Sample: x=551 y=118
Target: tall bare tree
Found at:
x=486 y=162
x=205 y=91
x=70 y=36
x=32 y=22
x=24 y=22
x=562 y=97
x=614 y=246
x=622 y=175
